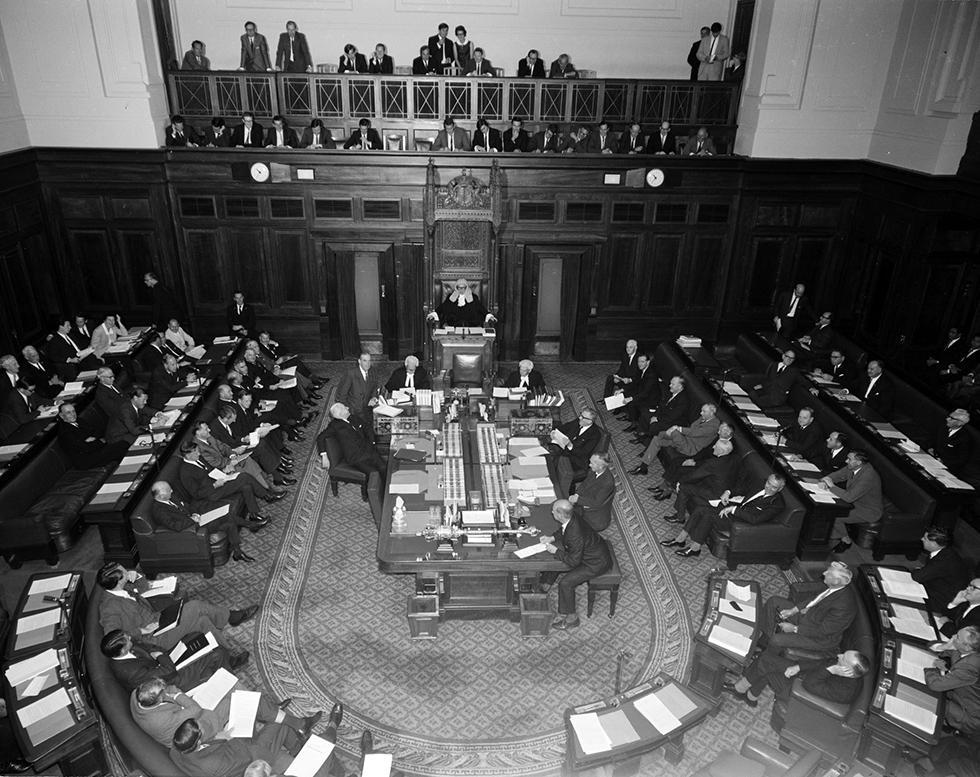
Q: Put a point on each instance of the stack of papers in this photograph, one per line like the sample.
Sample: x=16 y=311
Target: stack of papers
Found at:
x=689 y=341
x=210 y=693
x=913 y=622
x=196 y=352
x=591 y=736
x=912 y=662
x=762 y=421
x=733 y=389
x=898 y=583
x=731 y=635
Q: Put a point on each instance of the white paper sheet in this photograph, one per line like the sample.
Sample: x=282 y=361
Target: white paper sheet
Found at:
x=657 y=713
x=222 y=477
x=741 y=593
x=590 y=733
x=910 y=713
x=500 y=392
x=388 y=410
x=733 y=389
x=196 y=352
x=45 y=584
x=40 y=709
x=530 y=451
x=804 y=466
x=12 y=450
x=161 y=587
x=314 y=754
x=376 y=765
x=913 y=628
x=213 y=515
x=38 y=620
x=241 y=715
x=114 y=488
x=34 y=686
x=910 y=591
x=912 y=662
x=531 y=550
x=175 y=403
x=210 y=693
x=290 y=371
x=614 y=401
x=762 y=421
x=31 y=667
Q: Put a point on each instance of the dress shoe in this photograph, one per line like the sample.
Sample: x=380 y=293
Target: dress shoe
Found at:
x=688 y=553
x=729 y=688
x=336 y=715
x=285 y=703
x=640 y=441
x=655 y=490
x=238 y=660
x=675 y=518
x=284 y=451
x=639 y=469
x=841 y=547
x=322 y=378
x=284 y=459
x=256 y=522
x=663 y=496
x=284 y=469
x=241 y=555
x=287 y=480
x=562 y=623
x=295 y=436
x=367 y=742
x=630 y=428
x=673 y=543
x=309 y=722
x=238 y=617
x=274 y=496
x=314 y=395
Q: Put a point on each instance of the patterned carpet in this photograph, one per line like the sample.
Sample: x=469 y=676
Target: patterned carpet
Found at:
x=479 y=700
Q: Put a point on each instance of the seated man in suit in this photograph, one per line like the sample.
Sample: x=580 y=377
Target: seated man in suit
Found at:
x=20 y=405
x=178 y=341
x=451 y=137
x=633 y=141
x=686 y=440
x=169 y=511
x=663 y=141
x=764 y=505
x=772 y=388
x=248 y=134
x=194 y=58
x=837 y=679
x=364 y=138
x=63 y=352
x=411 y=375
x=276 y=744
x=944 y=573
x=953 y=446
x=232 y=428
x=967 y=363
x=531 y=66
x=283 y=358
x=563 y=68
x=106 y=334
x=486 y=138
x=805 y=437
x=217 y=135
x=164 y=382
x=833 y=455
x=480 y=66
x=317 y=136
x=135 y=662
x=578 y=140
x=602 y=141
x=642 y=395
x=354 y=440
x=836 y=368
x=577 y=545
x=84 y=449
x=40 y=374
x=817 y=343
x=963 y=610
x=877 y=390
x=132 y=418
x=107 y=396
x=204 y=493
x=526 y=377
x=516 y=138
x=957 y=675
x=231 y=459
x=677 y=464
x=593 y=497
x=178 y=134
x=9 y=373
x=424 y=64
x=625 y=373
x=352 y=61
x=701 y=144
x=119 y=609
x=862 y=490
x=673 y=410
x=280 y=135
x=547 y=141
x=574 y=444
x=710 y=478
x=81 y=331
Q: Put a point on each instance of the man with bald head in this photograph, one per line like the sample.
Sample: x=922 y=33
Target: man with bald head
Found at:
x=582 y=550
x=42 y=375
x=356 y=448
x=411 y=375
x=626 y=372
x=953 y=446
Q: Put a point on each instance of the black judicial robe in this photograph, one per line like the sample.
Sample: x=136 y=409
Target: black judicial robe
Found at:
x=471 y=314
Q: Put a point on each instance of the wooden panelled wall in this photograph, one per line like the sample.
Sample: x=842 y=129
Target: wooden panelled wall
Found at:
x=893 y=254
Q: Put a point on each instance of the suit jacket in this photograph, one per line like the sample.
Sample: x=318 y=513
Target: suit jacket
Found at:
x=943 y=576
x=645 y=388
x=40 y=375
x=596 y=144
x=700 y=434
x=59 y=351
x=442 y=49
x=583 y=445
x=808 y=442
x=82 y=340
x=535 y=381
x=521 y=143
x=18 y=407
x=398 y=377
x=829 y=461
x=74 y=442
x=246 y=318
x=595 y=499
x=776 y=385
x=353 y=439
x=485 y=65
x=175 y=139
x=961 y=685
x=175 y=517
x=211 y=138
x=707 y=147
x=841 y=373
x=195 y=482
x=461 y=140
x=656 y=144
x=255 y=55
x=301 y=53
x=163 y=720
x=354 y=391
x=784 y=301
x=557 y=71
x=628 y=368
x=490 y=141
x=693 y=61
x=132 y=672
x=628 y=144
x=951 y=351
x=163 y=385
x=128 y=423
x=526 y=70
x=326 y=140
x=552 y=145
x=288 y=137
x=821 y=338
x=108 y=399
x=712 y=71
x=190 y=62
x=735 y=75
x=673 y=410
x=825 y=623
x=709 y=479
x=580 y=546
x=151 y=357
x=385 y=67
x=969 y=362
x=373 y=140
x=359 y=65
x=832 y=687
x=955 y=452
x=882 y=397
x=252 y=139
x=761 y=510
x=422 y=68
x=862 y=489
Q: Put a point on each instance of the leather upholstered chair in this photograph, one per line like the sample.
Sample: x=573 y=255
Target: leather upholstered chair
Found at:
x=163 y=551
x=467 y=370
x=757 y=759
x=341 y=472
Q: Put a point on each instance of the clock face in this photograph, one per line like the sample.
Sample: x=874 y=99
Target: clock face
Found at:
x=260 y=172
x=655 y=177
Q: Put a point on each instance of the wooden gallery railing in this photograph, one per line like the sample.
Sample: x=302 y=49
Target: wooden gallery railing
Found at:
x=406 y=104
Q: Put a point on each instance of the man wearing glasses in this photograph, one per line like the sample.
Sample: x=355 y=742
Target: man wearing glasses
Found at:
x=772 y=388
x=462 y=308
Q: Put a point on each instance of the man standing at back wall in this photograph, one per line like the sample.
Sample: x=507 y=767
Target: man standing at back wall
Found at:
x=712 y=53
x=293 y=54
x=255 y=51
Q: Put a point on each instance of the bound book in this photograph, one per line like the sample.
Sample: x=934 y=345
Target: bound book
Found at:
x=169 y=617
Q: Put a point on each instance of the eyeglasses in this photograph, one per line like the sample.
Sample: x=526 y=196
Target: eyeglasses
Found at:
x=972 y=587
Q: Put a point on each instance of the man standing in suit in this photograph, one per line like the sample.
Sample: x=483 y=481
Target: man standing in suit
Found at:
x=788 y=309
x=411 y=375
x=486 y=138
x=692 y=57
x=354 y=440
x=862 y=490
x=772 y=388
x=673 y=410
x=960 y=681
x=531 y=66
x=40 y=374
x=762 y=506
x=133 y=662
x=953 y=446
x=83 y=449
x=293 y=54
x=593 y=498
x=358 y=388
x=165 y=305
x=240 y=317
x=364 y=138
x=526 y=377
x=712 y=53
x=805 y=437
x=626 y=373
x=663 y=141
x=194 y=59
x=944 y=573
x=876 y=390
x=834 y=453
x=580 y=549
x=279 y=135
x=255 y=51
x=574 y=443
x=248 y=134
x=838 y=680
x=424 y=64
x=315 y=136
x=132 y=418
x=442 y=50
x=686 y=440
x=711 y=478
x=451 y=137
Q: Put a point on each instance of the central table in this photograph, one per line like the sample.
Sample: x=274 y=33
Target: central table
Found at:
x=469 y=578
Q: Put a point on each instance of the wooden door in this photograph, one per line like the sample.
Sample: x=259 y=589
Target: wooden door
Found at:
x=552 y=307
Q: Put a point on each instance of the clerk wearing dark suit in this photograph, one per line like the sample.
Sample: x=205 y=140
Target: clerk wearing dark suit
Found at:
x=760 y=506
x=354 y=440
x=248 y=134
x=279 y=135
x=876 y=390
x=135 y=662
x=789 y=307
x=772 y=388
x=82 y=447
x=486 y=138
x=451 y=137
x=663 y=141
x=862 y=490
x=531 y=66
x=953 y=445
x=580 y=549
x=364 y=138
x=525 y=376
x=410 y=375
x=317 y=136
x=240 y=317
x=293 y=53
x=132 y=419
x=626 y=372
x=424 y=64
x=805 y=437
x=944 y=573
x=352 y=61
x=593 y=497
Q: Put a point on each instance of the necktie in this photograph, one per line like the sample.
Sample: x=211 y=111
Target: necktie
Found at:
x=450 y=136
x=792 y=306
x=699 y=145
x=290 y=49
x=239 y=310
x=711 y=54
x=753 y=497
x=818 y=598
x=410 y=382
x=663 y=139
x=870 y=386
x=779 y=368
